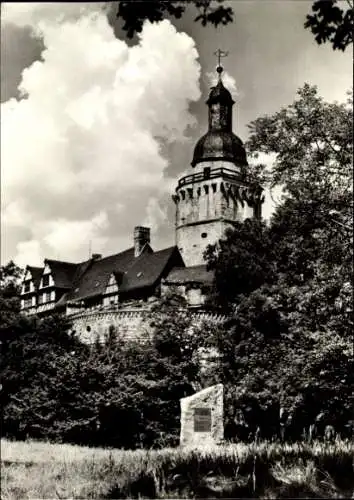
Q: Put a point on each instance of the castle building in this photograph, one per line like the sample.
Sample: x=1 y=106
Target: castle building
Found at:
x=208 y=200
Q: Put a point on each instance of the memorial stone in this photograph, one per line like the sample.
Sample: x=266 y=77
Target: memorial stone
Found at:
x=202 y=417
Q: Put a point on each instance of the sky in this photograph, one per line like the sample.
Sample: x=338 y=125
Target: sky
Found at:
x=96 y=129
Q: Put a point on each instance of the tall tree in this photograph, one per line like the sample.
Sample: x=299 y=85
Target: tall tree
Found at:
x=312 y=144
x=242 y=262
x=10 y=276
x=289 y=343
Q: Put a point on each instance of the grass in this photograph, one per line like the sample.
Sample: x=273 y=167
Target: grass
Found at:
x=264 y=470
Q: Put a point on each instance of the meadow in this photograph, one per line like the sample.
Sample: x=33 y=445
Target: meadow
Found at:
x=32 y=469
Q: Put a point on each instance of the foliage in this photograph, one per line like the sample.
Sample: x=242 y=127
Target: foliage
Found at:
x=330 y=23
x=259 y=470
x=10 y=276
x=135 y=13
x=121 y=393
x=286 y=353
x=274 y=362
x=242 y=261
x=313 y=148
x=29 y=363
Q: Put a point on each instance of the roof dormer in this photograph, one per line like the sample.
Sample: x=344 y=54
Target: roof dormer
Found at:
x=112 y=285
x=110 y=296
x=31 y=279
x=47 y=278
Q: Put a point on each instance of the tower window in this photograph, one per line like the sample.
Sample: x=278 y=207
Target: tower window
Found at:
x=204 y=235
x=206 y=172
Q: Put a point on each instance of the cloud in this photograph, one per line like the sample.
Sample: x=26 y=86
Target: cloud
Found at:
x=81 y=150
x=228 y=81
x=29 y=252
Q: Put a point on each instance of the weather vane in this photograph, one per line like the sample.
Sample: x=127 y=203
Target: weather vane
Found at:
x=220 y=54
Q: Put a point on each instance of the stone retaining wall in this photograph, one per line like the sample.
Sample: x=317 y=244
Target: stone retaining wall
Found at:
x=129 y=323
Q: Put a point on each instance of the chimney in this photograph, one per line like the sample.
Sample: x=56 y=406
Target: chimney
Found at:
x=141 y=237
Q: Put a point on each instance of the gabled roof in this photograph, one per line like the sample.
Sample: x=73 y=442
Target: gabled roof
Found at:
x=94 y=280
x=131 y=272
x=36 y=274
x=90 y=278
x=147 y=269
x=193 y=274
x=62 y=272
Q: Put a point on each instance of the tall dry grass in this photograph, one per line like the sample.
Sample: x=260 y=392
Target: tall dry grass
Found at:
x=263 y=470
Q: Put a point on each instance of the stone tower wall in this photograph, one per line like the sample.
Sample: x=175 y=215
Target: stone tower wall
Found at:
x=204 y=210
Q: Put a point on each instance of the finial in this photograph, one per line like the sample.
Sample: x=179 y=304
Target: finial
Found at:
x=220 y=53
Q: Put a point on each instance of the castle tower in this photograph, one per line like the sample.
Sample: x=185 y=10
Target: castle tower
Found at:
x=216 y=193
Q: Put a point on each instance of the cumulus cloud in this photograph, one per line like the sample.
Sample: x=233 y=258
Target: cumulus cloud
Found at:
x=81 y=150
x=228 y=80
x=29 y=252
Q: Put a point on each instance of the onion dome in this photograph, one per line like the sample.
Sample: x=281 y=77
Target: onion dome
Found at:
x=220 y=143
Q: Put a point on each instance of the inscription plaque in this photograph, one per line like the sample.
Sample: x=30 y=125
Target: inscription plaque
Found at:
x=202 y=420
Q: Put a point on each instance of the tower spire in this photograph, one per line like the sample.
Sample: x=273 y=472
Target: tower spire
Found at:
x=220 y=54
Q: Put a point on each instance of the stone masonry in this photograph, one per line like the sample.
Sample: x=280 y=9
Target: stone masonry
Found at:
x=202 y=417
x=129 y=323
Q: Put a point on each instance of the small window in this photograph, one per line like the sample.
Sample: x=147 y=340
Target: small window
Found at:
x=206 y=172
x=204 y=235
x=88 y=328
x=139 y=275
x=45 y=280
x=27 y=286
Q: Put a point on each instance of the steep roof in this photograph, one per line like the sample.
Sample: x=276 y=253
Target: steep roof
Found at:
x=132 y=273
x=147 y=269
x=94 y=280
x=193 y=274
x=62 y=272
x=36 y=273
